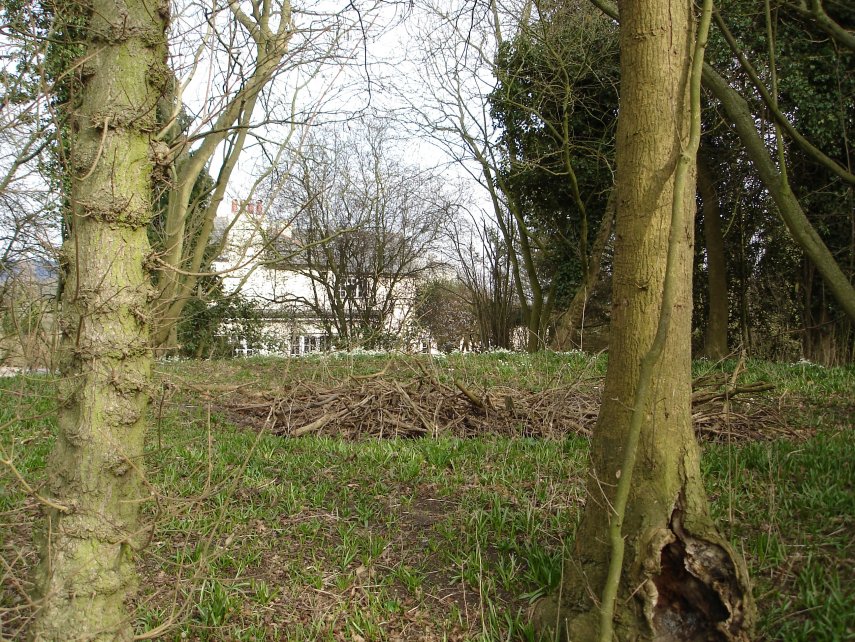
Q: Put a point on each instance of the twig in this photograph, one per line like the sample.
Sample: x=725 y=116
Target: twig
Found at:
x=470 y=396
x=319 y=423
x=428 y=426
x=29 y=489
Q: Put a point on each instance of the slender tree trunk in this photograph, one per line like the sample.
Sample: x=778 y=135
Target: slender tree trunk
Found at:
x=201 y=347
x=570 y=322
x=679 y=579
x=715 y=335
x=86 y=570
x=742 y=286
x=805 y=235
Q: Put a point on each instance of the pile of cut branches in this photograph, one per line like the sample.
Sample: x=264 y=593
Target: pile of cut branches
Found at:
x=382 y=407
x=385 y=405
x=725 y=410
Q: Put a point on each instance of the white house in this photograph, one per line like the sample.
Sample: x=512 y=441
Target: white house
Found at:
x=307 y=308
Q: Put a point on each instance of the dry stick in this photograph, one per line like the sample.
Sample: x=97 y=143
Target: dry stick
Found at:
x=318 y=423
x=730 y=392
x=648 y=362
x=7 y=460
x=402 y=426
x=427 y=424
x=328 y=417
x=470 y=396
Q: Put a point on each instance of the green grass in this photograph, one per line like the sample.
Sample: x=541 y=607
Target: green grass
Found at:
x=791 y=508
x=431 y=539
x=530 y=371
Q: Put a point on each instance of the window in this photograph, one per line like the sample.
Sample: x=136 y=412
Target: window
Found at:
x=353 y=288
x=308 y=343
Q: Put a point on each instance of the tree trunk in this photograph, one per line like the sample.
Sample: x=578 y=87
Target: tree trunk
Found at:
x=679 y=579
x=824 y=340
x=86 y=571
x=715 y=335
x=570 y=322
x=743 y=121
x=743 y=279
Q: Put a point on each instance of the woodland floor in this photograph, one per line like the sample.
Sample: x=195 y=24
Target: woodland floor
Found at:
x=373 y=497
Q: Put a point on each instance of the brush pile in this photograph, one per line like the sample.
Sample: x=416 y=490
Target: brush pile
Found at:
x=385 y=405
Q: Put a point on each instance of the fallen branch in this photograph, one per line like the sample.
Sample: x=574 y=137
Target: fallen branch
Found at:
x=317 y=424
x=473 y=399
x=700 y=398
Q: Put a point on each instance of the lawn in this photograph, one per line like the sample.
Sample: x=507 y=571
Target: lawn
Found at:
x=448 y=522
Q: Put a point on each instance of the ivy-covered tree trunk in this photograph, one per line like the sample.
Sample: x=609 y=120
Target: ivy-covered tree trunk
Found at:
x=86 y=571
x=679 y=579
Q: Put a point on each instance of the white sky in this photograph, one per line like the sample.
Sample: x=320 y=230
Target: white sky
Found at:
x=378 y=72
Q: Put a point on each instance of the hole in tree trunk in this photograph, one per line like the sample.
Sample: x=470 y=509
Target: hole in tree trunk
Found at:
x=687 y=608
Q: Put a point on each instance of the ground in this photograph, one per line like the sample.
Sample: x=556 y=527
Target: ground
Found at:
x=432 y=499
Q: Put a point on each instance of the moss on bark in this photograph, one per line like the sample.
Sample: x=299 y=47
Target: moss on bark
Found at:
x=679 y=579
x=86 y=571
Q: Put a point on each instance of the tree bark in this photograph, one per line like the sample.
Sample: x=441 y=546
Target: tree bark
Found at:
x=679 y=579
x=86 y=570
x=715 y=334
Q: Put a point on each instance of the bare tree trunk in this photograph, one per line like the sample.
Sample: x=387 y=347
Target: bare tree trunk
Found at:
x=570 y=322
x=86 y=570
x=715 y=335
x=677 y=577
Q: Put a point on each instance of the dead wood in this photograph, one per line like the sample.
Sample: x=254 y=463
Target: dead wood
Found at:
x=387 y=404
x=729 y=392
x=317 y=424
x=470 y=396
